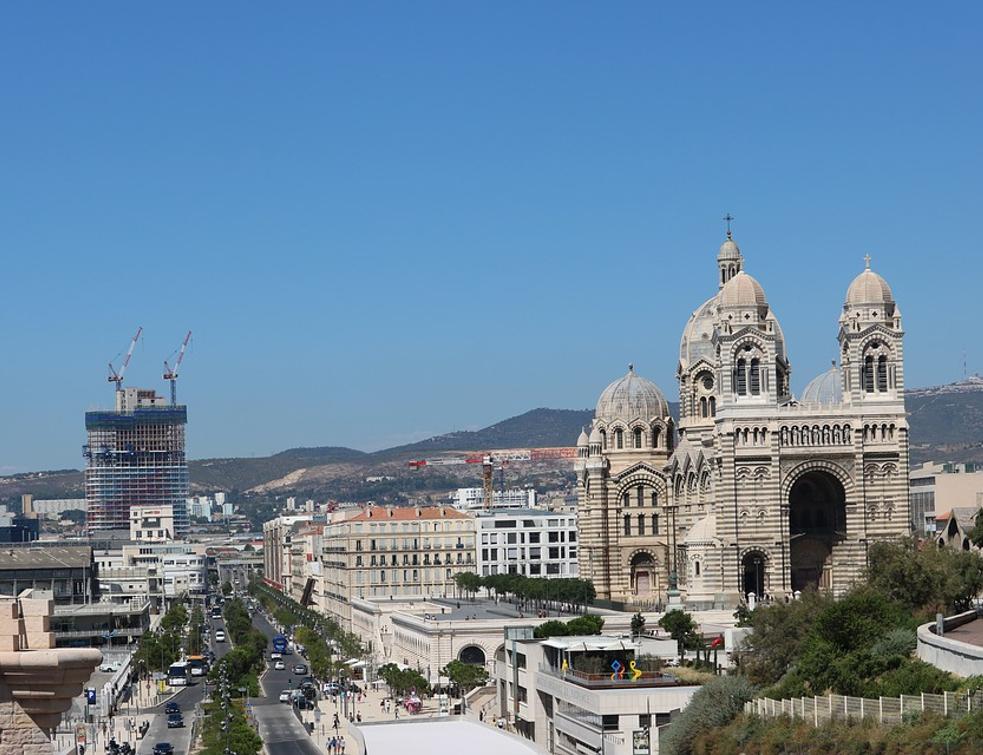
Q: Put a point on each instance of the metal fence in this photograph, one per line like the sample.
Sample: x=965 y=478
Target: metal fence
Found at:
x=885 y=710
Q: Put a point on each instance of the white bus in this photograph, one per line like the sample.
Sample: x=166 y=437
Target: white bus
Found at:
x=178 y=675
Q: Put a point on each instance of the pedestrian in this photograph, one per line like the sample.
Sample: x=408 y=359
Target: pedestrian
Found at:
x=358 y=717
x=397 y=713
x=342 y=745
x=332 y=744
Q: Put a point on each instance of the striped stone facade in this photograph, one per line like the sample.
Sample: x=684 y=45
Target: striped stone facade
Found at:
x=758 y=491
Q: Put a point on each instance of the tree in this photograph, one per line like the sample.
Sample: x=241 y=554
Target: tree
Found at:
x=466 y=676
x=226 y=588
x=74 y=516
x=682 y=629
x=778 y=631
x=925 y=578
x=713 y=705
x=637 y=624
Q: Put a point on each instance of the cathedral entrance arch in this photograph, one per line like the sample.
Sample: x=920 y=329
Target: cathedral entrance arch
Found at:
x=817 y=521
x=644 y=576
x=753 y=567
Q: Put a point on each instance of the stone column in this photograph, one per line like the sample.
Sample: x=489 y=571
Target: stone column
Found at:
x=37 y=681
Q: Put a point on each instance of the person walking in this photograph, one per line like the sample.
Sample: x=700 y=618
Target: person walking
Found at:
x=341 y=743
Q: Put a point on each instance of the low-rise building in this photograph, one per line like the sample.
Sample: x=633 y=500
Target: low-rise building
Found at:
x=473 y=499
x=592 y=694
x=530 y=542
x=935 y=489
x=64 y=571
x=151 y=524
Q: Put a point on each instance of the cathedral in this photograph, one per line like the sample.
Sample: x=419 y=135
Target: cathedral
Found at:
x=756 y=490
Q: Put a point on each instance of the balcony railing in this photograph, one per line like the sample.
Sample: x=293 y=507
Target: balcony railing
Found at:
x=608 y=680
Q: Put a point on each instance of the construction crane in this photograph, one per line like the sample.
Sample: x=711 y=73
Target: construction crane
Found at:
x=171 y=374
x=490 y=460
x=117 y=377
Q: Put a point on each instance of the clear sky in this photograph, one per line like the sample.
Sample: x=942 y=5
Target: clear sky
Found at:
x=389 y=220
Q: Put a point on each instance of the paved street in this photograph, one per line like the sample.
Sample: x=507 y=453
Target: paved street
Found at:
x=187 y=699
x=279 y=728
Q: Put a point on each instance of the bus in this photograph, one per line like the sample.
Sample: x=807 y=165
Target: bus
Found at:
x=280 y=644
x=198 y=665
x=179 y=674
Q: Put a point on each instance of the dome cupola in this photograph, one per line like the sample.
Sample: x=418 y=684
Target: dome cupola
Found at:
x=825 y=389
x=742 y=291
x=631 y=397
x=869 y=289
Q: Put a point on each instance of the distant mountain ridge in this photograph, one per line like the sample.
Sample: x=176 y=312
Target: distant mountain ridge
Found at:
x=946 y=425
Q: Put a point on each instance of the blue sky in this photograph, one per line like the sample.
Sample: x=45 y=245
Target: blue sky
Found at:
x=389 y=220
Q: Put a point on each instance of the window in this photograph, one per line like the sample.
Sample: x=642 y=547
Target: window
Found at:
x=696 y=568
x=655 y=437
x=533 y=537
x=641 y=524
x=882 y=373
x=868 y=374
x=604 y=438
x=740 y=378
x=640 y=494
x=755 y=377
x=619 y=438
x=704 y=411
x=713 y=406
x=627 y=524
x=655 y=524
x=638 y=437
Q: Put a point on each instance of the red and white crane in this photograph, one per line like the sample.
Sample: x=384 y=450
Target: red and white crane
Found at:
x=117 y=377
x=171 y=374
x=490 y=460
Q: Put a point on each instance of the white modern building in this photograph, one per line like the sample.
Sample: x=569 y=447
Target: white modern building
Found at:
x=593 y=694
x=530 y=542
x=151 y=524
x=471 y=499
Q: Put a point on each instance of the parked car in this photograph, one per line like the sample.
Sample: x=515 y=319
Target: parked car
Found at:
x=109 y=667
x=219 y=635
x=284 y=698
x=163 y=748
x=172 y=707
x=279 y=666
x=175 y=721
x=300 y=669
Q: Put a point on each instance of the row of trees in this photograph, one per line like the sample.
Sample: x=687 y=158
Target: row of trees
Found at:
x=289 y=613
x=536 y=591
x=582 y=625
x=241 y=666
x=159 y=649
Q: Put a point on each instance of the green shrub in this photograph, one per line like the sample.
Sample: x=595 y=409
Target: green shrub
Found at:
x=715 y=704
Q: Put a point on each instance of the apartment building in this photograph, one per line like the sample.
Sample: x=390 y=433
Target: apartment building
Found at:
x=935 y=489
x=561 y=693
x=393 y=553
x=277 y=542
x=530 y=542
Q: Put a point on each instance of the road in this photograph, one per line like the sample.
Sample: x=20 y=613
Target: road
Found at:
x=279 y=728
x=187 y=698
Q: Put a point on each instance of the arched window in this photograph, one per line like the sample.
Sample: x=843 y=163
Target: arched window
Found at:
x=619 y=438
x=755 y=377
x=655 y=498
x=703 y=406
x=604 y=438
x=740 y=378
x=656 y=433
x=641 y=524
x=696 y=568
x=868 y=375
x=640 y=496
x=882 y=373
x=655 y=521
x=638 y=437
x=627 y=524
x=713 y=406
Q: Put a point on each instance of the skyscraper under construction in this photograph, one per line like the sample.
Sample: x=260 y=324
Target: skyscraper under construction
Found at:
x=135 y=457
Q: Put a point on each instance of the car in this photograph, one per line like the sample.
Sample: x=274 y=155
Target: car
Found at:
x=175 y=721
x=219 y=636
x=109 y=667
x=172 y=707
x=284 y=698
x=275 y=656
x=163 y=748
x=279 y=666
x=300 y=669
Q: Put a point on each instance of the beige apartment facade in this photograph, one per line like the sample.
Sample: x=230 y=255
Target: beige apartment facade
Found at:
x=393 y=552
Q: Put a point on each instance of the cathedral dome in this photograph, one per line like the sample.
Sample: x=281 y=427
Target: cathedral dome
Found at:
x=826 y=389
x=729 y=251
x=869 y=288
x=631 y=397
x=697 y=340
x=583 y=440
x=742 y=291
